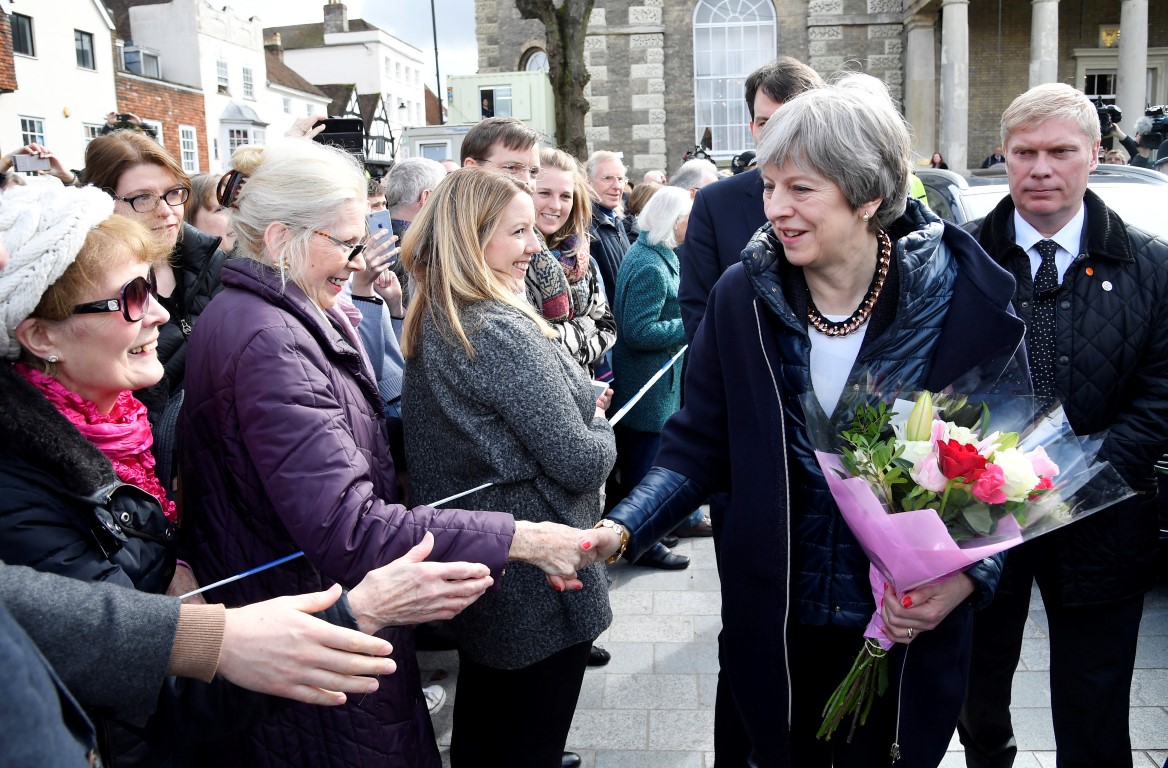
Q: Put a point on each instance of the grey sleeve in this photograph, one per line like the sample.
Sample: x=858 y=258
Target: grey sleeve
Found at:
x=110 y=645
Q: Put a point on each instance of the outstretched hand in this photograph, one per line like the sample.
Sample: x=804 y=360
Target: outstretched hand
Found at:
x=276 y=647
x=923 y=608
x=411 y=591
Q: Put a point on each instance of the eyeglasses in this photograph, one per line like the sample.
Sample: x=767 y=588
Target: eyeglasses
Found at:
x=148 y=202
x=354 y=249
x=516 y=169
x=610 y=180
x=133 y=300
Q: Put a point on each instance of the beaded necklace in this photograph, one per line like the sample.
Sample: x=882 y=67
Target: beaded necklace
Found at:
x=857 y=319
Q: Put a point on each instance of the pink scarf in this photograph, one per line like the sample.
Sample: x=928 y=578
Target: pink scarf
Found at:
x=123 y=435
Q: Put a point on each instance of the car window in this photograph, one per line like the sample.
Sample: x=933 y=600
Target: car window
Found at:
x=939 y=202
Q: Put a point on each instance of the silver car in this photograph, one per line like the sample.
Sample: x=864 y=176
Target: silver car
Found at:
x=1138 y=195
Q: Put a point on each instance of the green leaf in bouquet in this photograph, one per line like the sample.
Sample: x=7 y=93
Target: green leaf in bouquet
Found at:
x=1007 y=440
x=978 y=517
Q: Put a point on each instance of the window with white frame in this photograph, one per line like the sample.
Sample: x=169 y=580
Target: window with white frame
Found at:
x=309 y=110
x=153 y=128
x=248 y=84
x=90 y=131
x=188 y=144
x=732 y=38
x=495 y=101
x=409 y=73
x=287 y=106
x=83 y=43
x=388 y=66
x=22 y=39
x=259 y=136
x=221 y=76
x=32 y=130
x=397 y=69
x=417 y=78
x=236 y=138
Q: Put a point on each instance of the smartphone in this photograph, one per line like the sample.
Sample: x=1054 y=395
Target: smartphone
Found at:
x=600 y=387
x=30 y=163
x=379 y=220
x=347 y=133
x=124 y=117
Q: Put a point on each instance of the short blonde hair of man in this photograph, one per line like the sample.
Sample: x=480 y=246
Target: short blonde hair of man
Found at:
x=304 y=185
x=444 y=253
x=665 y=208
x=1051 y=101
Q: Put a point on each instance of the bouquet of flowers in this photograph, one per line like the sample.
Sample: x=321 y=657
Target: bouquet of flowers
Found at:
x=933 y=485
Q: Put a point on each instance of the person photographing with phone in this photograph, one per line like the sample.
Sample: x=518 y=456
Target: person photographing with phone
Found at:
x=37 y=158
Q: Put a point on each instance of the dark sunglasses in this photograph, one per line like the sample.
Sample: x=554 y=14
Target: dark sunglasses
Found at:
x=133 y=300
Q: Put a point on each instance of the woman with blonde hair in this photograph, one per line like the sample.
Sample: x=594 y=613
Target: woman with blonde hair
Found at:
x=284 y=449
x=582 y=322
x=491 y=397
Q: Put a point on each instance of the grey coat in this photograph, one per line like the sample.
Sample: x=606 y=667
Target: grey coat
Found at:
x=522 y=414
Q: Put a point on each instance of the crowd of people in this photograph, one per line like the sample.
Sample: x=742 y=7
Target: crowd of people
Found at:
x=411 y=425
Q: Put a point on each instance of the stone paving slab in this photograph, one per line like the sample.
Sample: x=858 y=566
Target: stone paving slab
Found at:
x=652 y=705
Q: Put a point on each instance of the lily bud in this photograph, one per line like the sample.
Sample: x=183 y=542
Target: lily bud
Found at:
x=920 y=421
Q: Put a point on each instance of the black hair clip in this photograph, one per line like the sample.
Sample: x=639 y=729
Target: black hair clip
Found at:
x=228 y=190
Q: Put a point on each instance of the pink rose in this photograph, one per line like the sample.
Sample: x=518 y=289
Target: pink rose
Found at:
x=989 y=485
x=1043 y=466
x=928 y=475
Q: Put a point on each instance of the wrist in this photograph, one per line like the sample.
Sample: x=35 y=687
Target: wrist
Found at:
x=5 y=162
x=621 y=532
x=366 y=297
x=366 y=621
x=198 y=641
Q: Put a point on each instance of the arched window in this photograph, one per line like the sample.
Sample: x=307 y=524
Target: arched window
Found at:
x=732 y=38
x=535 y=60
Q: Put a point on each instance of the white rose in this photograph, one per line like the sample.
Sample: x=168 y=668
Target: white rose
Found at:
x=1020 y=475
x=915 y=450
x=963 y=435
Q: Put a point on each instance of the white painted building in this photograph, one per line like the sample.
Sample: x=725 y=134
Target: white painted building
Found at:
x=210 y=48
x=354 y=51
x=64 y=65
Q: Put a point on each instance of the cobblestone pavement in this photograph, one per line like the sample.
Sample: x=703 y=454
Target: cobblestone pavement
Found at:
x=652 y=706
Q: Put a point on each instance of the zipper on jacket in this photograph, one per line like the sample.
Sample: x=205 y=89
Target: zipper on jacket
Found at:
x=787 y=500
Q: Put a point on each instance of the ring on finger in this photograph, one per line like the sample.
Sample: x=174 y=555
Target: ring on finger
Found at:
x=910 y=633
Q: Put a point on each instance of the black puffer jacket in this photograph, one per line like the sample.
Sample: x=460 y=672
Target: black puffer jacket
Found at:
x=1111 y=373
x=609 y=241
x=198 y=267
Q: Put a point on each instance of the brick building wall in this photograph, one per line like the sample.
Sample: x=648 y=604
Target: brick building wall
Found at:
x=999 y=56
x=7 y=65
x=170 y=104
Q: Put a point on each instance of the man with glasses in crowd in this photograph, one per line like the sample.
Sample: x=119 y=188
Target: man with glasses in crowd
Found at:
x=611 y=232
x=506 y=145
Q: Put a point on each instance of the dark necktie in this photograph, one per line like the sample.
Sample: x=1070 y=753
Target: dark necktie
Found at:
x=1041 y=340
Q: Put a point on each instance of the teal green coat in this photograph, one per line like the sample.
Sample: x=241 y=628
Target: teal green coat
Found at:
x=648 y=333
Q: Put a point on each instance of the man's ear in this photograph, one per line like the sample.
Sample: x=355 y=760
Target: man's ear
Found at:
x=425 y=196
x=38 y=336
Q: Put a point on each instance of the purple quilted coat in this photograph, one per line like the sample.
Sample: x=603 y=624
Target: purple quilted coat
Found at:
x=283 y=448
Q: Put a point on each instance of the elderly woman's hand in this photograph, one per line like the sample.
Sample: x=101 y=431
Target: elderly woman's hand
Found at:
x=922 y=609
x=306 y=127
x=182 y=582
x=411 y=591
x=557 y=550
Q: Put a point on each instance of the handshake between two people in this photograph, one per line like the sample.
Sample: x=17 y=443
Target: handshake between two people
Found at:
x=412 y=590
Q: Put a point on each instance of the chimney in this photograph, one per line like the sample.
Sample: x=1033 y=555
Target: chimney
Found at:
x=275 y=47
x=336 y=17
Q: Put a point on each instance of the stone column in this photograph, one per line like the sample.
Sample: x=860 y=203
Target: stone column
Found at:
x=1043 y=42
x=920 y=82
x=1132 y=74
x=955 y=83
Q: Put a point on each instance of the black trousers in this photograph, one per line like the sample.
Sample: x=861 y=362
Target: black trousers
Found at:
x=919 y=709
x=1092 y=654
x=516 y=718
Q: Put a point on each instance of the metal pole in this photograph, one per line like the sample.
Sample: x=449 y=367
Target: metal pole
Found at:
x=437 y=73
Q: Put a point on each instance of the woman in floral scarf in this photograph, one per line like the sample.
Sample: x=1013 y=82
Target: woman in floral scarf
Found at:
x=560 y=282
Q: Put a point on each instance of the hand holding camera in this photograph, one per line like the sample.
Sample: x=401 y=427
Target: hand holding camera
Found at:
x=35 y=158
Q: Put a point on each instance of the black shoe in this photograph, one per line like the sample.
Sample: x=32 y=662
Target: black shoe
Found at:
x=670 y=540
x=570 y=760
x=598 y=657
x=659 y=556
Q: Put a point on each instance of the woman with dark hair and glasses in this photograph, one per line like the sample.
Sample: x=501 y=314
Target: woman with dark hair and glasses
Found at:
x=283 y=448
x=150 y=186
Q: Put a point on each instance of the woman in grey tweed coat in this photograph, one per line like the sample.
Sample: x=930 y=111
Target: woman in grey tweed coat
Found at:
x=490 y=396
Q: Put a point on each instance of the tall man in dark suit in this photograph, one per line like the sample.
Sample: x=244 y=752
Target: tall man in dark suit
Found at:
x=725 y=215
x=1094 y=294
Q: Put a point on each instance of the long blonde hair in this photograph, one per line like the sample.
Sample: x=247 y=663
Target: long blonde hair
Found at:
x=443 y=252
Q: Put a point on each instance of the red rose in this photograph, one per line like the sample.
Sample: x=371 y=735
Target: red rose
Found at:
x=960 y=460
x=1044 y=484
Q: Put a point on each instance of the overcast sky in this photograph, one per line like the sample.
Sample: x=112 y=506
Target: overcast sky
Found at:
x=408 y=20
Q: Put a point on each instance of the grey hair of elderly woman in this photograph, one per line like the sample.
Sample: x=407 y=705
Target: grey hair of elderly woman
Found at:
x=302 y=184
x=665 y=208
x=851 y=133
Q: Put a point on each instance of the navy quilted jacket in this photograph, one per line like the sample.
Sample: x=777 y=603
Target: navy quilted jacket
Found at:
x=1111 y=373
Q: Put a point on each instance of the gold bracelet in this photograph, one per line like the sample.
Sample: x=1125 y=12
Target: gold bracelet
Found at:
x=619 y=530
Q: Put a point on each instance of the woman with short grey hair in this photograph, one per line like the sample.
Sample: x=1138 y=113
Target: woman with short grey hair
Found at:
x=850 y=282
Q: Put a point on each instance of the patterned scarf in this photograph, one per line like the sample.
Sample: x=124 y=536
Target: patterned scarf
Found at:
x=573 y=253
x=123 y=434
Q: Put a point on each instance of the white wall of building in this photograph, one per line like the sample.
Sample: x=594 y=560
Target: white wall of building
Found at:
x=52 y=88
